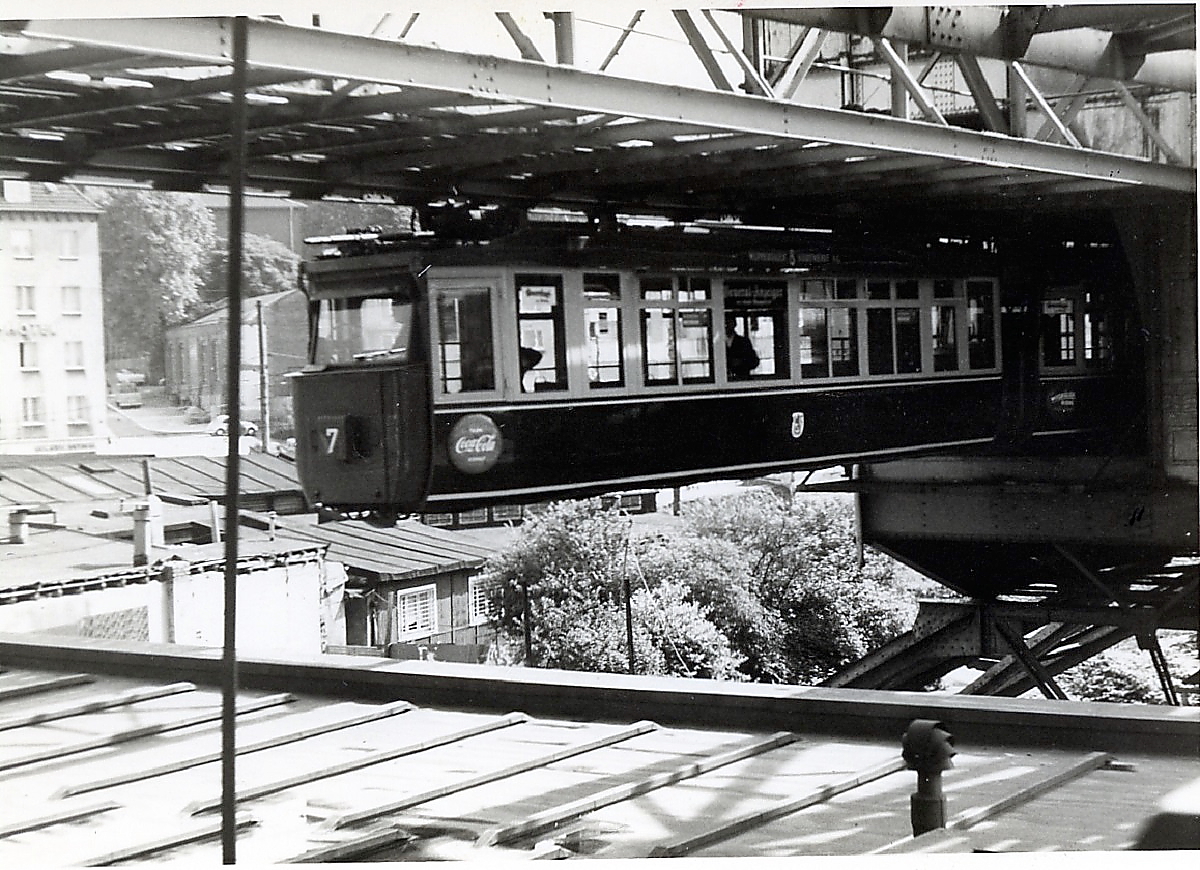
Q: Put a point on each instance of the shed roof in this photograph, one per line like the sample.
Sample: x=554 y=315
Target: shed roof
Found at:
x=28 y=481
x=109 y=757
x=407 y=551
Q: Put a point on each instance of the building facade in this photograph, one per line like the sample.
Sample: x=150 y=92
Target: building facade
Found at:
x=51 y=320
x=274 y=328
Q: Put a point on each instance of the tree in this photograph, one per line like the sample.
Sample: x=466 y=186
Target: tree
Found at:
x=331 y=218
x=747 y=588
x=154 y=250
x=804 y=564
x=268 y=266
x=571 y=564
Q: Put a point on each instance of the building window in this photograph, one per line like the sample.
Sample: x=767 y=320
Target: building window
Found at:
x=21 y=242
x=68 y=245
x=480 y=606
x=77 y=410
x=72 y=301
x=441 y=520
x=26 y=299
x=477 y=517
x=29 y=356
x=31 y=411
x=503 y=513
x=73 y=355
x=416 y=613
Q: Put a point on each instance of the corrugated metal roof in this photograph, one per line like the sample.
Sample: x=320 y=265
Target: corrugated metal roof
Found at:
x=406 y=551
x=36 y=481
x=363 y=759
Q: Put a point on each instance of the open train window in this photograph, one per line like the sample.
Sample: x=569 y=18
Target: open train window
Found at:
x=540 y=332
x=602 y=325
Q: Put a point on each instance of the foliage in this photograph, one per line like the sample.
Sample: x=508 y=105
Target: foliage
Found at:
x=154 y=252
x=1106 y=678
x=268 y=266
x=330 y=218
x=805 y=564
x=750 y=588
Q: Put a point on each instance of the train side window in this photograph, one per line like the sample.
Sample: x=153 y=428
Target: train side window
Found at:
x=1097 y=339
x=1058 y=331
x=880 y=360
x=695 y=345
x=815 y=288
x=758 y=311
x=908 y=289
x=845 y=288
x=981 y=325
x=943 y=322
x=540 y=332
x=828 y=342
x=602 y=325
x=879 y=289
x=944 y=288
x=466 y=357
x=677 y=342
x=658 y=345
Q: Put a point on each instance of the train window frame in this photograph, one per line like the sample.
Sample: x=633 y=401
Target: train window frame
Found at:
x=753 y=299
x=691 y=293
x=555 y=318
x=1086 y=302
x=616 y=301
x=494 y=284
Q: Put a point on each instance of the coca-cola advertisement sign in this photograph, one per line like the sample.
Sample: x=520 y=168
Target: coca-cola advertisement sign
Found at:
x=474 y=443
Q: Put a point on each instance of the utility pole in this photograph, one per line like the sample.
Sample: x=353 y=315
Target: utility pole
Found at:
x=264 y=404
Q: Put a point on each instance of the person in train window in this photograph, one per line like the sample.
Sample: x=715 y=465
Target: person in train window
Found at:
x=529 y=358
x=740 y=356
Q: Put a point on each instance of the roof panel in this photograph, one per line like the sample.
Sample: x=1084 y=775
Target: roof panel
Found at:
x=605 y=766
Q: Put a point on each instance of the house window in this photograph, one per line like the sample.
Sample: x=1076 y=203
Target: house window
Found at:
x=443 y=520
x=26 y=299
x=476 y=517
x=416 y=613
x=31 y=411
x=479 y=600
x=68 y=245
x=29 y=355
x=77 y=410
x=21 y=242
x=73 y=355
x=72 y=301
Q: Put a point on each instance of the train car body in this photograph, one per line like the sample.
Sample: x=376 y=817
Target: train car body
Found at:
x=553 y=364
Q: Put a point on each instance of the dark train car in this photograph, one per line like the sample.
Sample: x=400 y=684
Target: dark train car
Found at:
x=552 y=363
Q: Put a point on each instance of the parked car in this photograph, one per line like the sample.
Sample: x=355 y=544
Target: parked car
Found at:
x=220 y=426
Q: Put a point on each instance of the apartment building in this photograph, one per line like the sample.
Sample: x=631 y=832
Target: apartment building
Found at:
x=51 y=320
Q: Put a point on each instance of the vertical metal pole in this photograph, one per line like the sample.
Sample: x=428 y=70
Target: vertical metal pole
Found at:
x=564 y=37
x=264 y=404
x=629 y=624
x=233 y=402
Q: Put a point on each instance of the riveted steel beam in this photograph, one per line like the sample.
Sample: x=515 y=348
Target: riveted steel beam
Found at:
x=1004 y=33
x=316 y=53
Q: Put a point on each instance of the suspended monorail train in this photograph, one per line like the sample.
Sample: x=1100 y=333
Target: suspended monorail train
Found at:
x=556 y=362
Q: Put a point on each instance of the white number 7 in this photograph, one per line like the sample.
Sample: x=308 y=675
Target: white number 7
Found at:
x=331 y=437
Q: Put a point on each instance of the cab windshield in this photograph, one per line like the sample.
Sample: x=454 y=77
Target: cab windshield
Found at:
x=363 y=329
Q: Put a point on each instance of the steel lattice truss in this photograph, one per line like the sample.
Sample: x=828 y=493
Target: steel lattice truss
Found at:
x=147 y=100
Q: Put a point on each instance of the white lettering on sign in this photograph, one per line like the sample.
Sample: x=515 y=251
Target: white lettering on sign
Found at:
x=332 y=434
x=797 y=424
x=474 y=443
x=484 y=443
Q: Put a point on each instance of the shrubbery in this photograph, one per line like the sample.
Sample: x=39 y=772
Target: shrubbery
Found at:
x=748 y=588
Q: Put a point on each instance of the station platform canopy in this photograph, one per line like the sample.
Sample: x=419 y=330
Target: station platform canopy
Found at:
x=392 y=119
